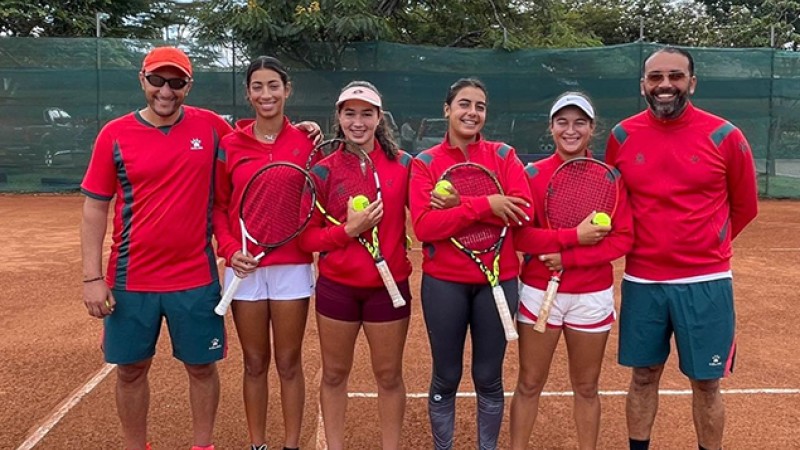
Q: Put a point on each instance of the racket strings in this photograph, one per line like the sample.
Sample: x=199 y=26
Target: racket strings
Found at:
x=273 y=207
x=472 y=181
x=346 y=181
x=578 y=189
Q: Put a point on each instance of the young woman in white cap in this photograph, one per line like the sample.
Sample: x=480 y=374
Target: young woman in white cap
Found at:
x=350 y=294
x=583 y=310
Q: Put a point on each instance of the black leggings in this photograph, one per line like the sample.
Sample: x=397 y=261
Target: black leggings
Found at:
x=449 y=309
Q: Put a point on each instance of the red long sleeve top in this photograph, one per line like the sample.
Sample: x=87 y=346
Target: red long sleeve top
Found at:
x=692 y=189
x=434 y=227
x=587 y=268
x=342 y=258
x=241 y=155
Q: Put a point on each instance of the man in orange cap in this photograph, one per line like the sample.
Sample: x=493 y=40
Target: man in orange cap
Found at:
x=158 y=163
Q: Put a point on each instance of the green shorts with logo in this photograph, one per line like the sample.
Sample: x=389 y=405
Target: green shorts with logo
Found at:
x=700 y=315
x=197 y=333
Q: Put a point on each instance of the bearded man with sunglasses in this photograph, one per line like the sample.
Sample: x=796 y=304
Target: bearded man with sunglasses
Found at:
x=158 y=162
x=692 y=190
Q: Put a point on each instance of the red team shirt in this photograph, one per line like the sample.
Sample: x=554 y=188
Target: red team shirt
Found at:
x=704 y=194
x=434 y=227
x=240 y=156
x=587 y=268
x=342 y=258
x=161 y=239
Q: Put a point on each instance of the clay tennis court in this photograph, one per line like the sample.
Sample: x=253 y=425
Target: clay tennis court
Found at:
x=56 y=391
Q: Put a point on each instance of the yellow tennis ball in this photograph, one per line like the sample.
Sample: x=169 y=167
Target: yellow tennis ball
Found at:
x=360 y=202
x=602 y=219
x=442 y=187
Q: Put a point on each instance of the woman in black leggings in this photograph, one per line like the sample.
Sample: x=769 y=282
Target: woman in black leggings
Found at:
x=455 y=293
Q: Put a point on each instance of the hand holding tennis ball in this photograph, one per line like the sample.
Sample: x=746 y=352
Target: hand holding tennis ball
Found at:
x=602 y=219
x=443 y=187
x=359 y=202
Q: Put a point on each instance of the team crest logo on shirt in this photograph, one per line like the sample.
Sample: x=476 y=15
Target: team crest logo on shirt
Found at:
x=197 y=144
x=716 y=360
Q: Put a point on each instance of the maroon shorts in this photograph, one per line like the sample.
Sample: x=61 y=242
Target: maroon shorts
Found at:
x=359 y=304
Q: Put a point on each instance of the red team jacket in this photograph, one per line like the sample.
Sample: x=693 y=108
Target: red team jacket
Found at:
x=342 y=258
x=239 y=157
x=692 y=188
x=434 y=227
x=586 y=268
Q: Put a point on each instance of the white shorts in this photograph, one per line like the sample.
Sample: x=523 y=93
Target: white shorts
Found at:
x=591 y=312
x=279 y=282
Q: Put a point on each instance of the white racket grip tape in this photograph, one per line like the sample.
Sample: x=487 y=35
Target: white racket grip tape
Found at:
x=547 y=303
x=222 y=306
x=505 y=315
x=388 y=280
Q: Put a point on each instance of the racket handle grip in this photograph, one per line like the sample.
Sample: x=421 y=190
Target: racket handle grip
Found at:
x=547 y=303
x=505 y=314
x=388 y=280
x=222 y=306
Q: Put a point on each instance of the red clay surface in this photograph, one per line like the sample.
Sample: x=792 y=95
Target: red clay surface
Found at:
x=49 y=349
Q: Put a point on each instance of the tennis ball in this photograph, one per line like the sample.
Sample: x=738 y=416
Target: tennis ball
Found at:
x=442 y=187
x=601 y=218
x=360 y=202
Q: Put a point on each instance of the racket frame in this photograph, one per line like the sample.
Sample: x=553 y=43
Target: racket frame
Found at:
x=493 y=275
x=372 y=247
x=555 y=277
x=227 y=298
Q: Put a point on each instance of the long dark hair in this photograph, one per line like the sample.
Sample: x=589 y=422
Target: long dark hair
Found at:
x=382 y=132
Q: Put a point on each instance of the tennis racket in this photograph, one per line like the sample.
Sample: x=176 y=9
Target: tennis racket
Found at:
x=357 y=176
x=272 y=212
x=479 y=238
x=577 y=188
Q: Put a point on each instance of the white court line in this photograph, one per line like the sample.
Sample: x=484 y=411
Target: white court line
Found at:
x=667 y=392
x=61 y=410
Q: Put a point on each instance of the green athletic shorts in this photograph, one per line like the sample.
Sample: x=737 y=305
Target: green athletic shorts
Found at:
x=197 y=333
x=700 y=315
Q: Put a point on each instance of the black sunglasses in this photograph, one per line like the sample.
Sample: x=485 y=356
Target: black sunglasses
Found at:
x=658 y=77
x=159 y=81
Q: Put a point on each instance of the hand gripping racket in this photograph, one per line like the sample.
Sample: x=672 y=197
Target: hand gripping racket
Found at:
x=473 y=180
x=578 y=187
x=355 y=175
x=272 y=212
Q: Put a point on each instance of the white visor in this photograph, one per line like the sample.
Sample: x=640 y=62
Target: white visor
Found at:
x=573 y=100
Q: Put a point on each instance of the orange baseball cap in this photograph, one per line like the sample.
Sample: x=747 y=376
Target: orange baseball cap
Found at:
x=167 y=57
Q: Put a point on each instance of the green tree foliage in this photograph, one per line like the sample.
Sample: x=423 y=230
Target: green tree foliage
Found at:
x=310 y=32
x=707 y=23
x=77 y=18
x=489 y=24
x=316 y=33
x=750 y=23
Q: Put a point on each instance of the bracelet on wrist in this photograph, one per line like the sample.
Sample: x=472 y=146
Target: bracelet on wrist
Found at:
x=91 y=280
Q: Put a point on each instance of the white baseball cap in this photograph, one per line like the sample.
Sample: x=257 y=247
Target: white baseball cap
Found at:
x=573 y=100
x=362 y=93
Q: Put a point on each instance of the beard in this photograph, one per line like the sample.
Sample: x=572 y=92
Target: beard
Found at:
x=668 y=110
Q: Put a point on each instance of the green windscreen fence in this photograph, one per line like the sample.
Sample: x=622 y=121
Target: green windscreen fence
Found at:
x=57 y=93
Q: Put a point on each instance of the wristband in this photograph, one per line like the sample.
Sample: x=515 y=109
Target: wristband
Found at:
x=91 y=280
